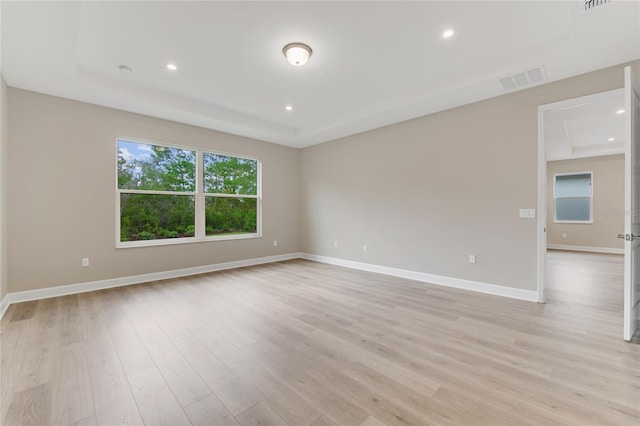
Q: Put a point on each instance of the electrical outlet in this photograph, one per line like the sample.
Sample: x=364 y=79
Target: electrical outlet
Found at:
x=364 y=248
x=85 y=262
x=472 y=258
x=275 y=243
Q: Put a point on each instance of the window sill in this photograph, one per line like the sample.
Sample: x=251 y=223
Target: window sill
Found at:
x=583 y=222
x=189 y=240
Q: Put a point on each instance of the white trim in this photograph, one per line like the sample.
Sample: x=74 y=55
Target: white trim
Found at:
x=4 y=305
x=185 y=240
x=45 y=293
x=607 y=250
x=583 y=100
x=493 y=289
x=575 y=222
x=153 y=192
x=542 y=206
x=218 y=195
x=617 y=151
x=200 y=202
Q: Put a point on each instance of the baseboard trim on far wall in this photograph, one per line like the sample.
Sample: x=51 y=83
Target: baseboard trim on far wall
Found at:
x=605 y=250
x=45 y=293
x=493 y=289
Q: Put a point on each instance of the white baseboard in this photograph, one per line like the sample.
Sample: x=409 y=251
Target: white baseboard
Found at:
x=493 y=289
x=605 y=250
x=45 y=293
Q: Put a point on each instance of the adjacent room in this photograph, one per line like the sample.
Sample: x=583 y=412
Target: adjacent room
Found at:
x=319 y=213
x=586 y=201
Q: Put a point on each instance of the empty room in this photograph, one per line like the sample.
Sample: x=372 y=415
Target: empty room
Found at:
x=319 y=213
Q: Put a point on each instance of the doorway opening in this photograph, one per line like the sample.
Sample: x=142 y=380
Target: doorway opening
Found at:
x=581 y=203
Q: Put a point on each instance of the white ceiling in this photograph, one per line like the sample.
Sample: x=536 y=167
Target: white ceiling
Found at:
x=373 y=63
x=584 y=130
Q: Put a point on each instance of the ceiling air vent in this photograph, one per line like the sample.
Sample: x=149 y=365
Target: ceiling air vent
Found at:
x=533 y=76
x=590 y=4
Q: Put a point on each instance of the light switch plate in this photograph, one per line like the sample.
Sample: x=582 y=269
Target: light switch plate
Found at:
x=528 y=213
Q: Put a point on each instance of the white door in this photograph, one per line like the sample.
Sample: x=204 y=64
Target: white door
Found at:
x=632 y=204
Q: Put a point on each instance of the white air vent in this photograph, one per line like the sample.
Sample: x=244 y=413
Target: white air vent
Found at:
x=508 y=83
x=525 y=78
x=590 y=4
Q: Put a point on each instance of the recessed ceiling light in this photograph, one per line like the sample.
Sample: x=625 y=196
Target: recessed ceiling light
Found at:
x=289 y=108
x=620 y=111
x=171 y=66
x=297 y=53
x=125 y=69
x=448 y=33
x=611 y=139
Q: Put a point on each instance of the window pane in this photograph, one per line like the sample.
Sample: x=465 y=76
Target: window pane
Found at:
x=573 y=209
x=230 y=175
x=578 y=185
x=226 y=216
x=152 y=167
x=154 y=217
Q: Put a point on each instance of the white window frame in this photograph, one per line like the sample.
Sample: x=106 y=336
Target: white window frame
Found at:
x=555 y=198
x=199 y=196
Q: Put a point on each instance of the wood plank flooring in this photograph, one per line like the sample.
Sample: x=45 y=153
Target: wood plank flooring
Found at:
x=300 y=343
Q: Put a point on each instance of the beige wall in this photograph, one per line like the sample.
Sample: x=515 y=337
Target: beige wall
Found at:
x=4 y=120
x=608 y=204
x=425 y=194
x=62 y=194
x=422 y=195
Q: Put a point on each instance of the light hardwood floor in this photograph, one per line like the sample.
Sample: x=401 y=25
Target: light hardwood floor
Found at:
x=301 y=343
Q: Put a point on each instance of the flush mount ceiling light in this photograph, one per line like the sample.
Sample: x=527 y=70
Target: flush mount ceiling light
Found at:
x=171 y=66
x=448 y=33
x=620 y=111
x=289 y=108
x=611 y=139
x=297 y=53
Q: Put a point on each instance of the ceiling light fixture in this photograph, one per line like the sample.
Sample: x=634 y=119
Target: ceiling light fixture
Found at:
x=448 y=33
x=171 y=66
x=620 y=111
x=289 y=108
x=611 y=139
x=297 y=53
x=125 y=69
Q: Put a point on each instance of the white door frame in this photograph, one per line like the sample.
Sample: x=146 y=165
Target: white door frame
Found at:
x=542 y=174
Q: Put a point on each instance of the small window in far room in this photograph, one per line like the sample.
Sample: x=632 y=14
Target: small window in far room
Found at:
x=573 y=193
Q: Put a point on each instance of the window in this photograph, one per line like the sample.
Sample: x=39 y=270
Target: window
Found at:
x=168 y=194
x=231 y=194
x=573 y=197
